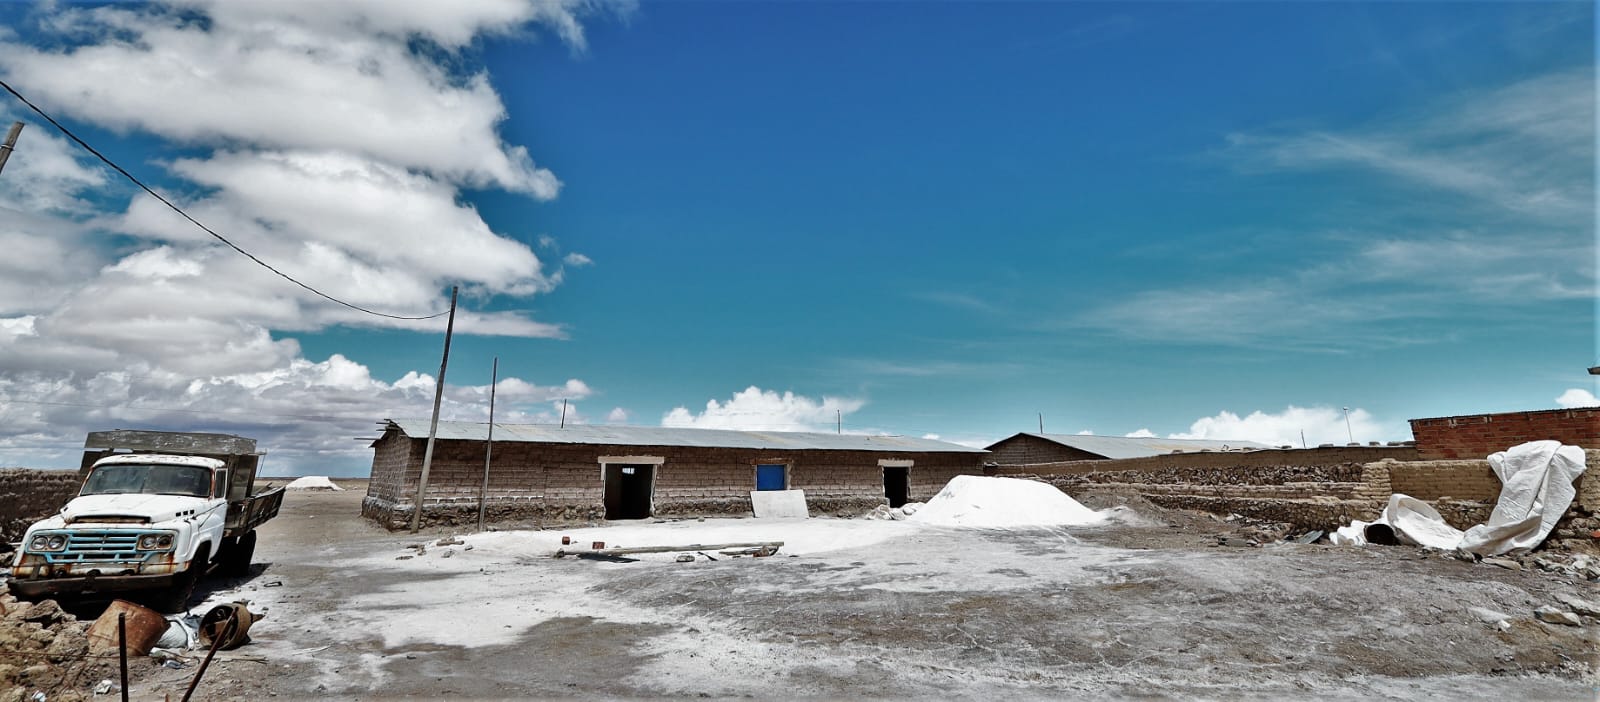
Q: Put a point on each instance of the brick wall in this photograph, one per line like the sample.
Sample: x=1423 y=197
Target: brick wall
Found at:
x=28 y=495
x=562 y=482
x=1477 y=436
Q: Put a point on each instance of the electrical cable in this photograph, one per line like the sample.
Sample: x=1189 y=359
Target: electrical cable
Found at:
x=185 y=215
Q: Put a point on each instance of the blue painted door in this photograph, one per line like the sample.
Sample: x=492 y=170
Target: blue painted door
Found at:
x=769 y=477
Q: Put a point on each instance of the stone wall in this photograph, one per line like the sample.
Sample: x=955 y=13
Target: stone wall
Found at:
x=1477 y=436
x=1231 y=462
x=1328 y=496
x=538 y=482
x=28 y=495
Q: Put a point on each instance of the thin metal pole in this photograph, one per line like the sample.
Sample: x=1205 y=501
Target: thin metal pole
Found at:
x=488 y=449
x=122 y=645
x=216 y=643
x=838 y=421
x=563 y=413
x=1347 y=430
x=1041 y=422
x=433 y=428
x=10 y=143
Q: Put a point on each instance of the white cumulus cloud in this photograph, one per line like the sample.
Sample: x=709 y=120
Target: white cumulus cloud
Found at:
x=765 y=410
x=333 y=140
x=1577 y=397
x=1321 y=425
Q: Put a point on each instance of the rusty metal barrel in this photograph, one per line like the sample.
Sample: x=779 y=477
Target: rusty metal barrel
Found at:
x=144 y=627
x=215 y=624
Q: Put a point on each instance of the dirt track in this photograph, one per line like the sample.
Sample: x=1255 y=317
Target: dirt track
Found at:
x=1151 y=609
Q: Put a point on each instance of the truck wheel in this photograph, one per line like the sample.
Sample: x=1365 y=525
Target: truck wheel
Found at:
x=176 y=598
x=238 y=556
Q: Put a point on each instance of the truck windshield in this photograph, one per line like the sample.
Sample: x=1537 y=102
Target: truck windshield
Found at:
x=154 y=479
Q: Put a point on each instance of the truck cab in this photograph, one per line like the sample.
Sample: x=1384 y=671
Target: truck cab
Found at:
x=146 y=521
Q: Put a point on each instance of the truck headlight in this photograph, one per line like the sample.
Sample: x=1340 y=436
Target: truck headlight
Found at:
x=48 y=542
x=153 y=542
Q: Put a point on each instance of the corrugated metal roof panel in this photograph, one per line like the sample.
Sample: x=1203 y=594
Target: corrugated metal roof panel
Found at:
x=675 y=436
x=1140 y=446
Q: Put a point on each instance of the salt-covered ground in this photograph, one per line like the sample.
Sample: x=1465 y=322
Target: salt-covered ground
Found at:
x=860 y=608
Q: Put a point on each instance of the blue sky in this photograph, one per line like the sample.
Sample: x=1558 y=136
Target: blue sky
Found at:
x=1220 y=220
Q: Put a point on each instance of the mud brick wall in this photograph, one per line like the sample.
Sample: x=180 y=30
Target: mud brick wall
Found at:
x=1477 y=436
x=1330 y=496
x=28 y=495
x=1024 y=450
x=389 y=459
x=1433 y=480
x=536 y=482
x=1230 y=462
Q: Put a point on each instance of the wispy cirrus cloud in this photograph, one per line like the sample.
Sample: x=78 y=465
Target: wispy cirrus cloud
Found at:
x=1496 y=196
x=1512 y=147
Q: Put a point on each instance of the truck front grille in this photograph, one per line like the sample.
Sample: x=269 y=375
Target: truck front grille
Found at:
x=108 y=546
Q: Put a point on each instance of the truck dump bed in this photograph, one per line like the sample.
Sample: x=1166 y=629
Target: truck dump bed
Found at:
x=251 y=512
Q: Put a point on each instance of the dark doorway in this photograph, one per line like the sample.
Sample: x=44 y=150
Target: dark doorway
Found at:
x=628 y=490
x=897 y=485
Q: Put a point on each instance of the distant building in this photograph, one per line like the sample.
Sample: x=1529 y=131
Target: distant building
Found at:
x=1478 y=435
x=1027 y=448
x=589 y=472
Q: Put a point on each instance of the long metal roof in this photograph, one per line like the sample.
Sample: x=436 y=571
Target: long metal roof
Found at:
x=675 y=436
x=1138 y=446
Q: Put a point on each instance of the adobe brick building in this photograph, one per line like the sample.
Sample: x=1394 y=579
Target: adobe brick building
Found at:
x=1478 y=435
x=1028 y=449
x=586 y=472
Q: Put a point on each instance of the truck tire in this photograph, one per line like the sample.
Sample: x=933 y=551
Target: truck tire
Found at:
x=176 y=598
x=236 y=560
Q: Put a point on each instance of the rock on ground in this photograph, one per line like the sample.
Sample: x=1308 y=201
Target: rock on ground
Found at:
x=46 y=650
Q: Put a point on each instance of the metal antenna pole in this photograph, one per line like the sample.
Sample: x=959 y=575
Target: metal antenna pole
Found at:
x=433 y=429
x=1347 y=431
x=488 y=450
x=563 y=413
x=1041 y=422
x=10 y=143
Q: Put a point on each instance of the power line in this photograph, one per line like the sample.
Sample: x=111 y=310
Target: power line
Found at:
x=185 y=215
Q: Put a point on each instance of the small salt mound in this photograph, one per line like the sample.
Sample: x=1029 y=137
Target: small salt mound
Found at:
x=313 y=482
x=1002 y=503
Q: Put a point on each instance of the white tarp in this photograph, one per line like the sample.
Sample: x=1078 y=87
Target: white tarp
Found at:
x=1409 y=519
x=779 y=504
x=1353 y=535
x=1417 y=522
x=1536 y=489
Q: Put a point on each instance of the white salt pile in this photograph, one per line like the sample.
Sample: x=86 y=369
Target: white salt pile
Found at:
x=313 y=482
x=1002 y=503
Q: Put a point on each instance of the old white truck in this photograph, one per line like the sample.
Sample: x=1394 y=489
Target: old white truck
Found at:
x=156 y=519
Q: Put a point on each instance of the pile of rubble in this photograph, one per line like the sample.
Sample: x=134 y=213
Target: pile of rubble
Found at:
x=44 y=654
x=882 y=512
x=1580 y=566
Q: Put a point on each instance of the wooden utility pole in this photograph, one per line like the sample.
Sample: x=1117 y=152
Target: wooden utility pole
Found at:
x=10 y=143
x=488 y=449
x=433 y=429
